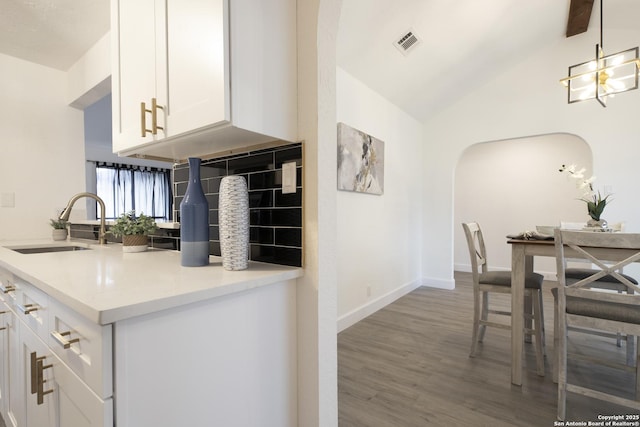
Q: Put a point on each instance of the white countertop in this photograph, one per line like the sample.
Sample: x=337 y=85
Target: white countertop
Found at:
x=106 y=285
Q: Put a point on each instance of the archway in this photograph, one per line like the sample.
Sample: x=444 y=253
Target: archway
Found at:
x=513 y=185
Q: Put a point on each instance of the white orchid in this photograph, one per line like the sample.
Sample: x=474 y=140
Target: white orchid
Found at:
x=594 y=200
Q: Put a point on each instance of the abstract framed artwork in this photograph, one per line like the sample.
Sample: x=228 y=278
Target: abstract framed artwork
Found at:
x=360 y=161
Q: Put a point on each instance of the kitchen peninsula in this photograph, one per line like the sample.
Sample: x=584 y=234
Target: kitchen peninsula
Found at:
x=98 y=337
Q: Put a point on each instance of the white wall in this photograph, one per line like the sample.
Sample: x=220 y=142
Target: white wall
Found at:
x=89 y=79
x=316 y=292
x=378 y=237
x=42 y=161
x=511 y=186
x=524 y=101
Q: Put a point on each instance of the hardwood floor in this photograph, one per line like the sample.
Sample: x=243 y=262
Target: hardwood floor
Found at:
x=408 y=365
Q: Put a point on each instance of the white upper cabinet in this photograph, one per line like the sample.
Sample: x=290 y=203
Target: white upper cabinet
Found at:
x=213 y=75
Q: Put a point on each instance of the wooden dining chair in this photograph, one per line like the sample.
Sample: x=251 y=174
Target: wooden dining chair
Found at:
x=485 y=282
x=582 y=303
x=607 y=282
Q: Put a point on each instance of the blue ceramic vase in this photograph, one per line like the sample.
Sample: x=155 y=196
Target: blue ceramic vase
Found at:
x=194 y=221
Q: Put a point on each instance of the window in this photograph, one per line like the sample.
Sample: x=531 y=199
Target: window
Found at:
x=142 y=189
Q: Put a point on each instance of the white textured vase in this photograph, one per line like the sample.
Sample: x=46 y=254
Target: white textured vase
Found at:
x=233 y=218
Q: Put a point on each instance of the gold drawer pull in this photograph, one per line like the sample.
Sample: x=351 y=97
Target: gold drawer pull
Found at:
x=27 y=308
x=7 y=289
x=60 y=338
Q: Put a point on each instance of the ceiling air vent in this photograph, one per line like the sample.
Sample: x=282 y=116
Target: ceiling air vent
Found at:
x=407 y=42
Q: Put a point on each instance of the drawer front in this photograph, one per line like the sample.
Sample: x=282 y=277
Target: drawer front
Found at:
x=31 y=305
x=7 y=288
x=78 y=406
x=82 y=345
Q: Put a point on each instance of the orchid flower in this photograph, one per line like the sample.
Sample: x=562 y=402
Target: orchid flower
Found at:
x=594 y=200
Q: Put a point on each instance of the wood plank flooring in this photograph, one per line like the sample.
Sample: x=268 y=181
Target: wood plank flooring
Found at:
x=408 y=365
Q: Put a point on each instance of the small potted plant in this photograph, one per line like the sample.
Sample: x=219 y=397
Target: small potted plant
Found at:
x=59 y=229
x=134 y=230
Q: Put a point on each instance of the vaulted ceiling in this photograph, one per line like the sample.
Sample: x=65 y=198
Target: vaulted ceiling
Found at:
x=462 y=43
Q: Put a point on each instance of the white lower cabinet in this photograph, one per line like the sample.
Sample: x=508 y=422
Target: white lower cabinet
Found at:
x=54 y=395
x=227 y=361
x=37 y=389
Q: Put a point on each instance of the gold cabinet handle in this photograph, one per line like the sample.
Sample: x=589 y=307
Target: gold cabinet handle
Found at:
x=1 y=313
x=34 y=372
x=143 y=119
x=8 y=288
x=154 y=116
x=41 y=392
x=64 y=342
x=27 y=308
x=37 y=377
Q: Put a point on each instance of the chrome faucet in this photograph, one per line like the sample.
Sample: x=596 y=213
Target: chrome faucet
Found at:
x=64 y=215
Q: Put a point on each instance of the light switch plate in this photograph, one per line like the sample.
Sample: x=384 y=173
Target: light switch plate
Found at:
x=288 y=177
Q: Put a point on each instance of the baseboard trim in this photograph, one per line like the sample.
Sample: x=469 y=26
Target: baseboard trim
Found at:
x=374 y=305
x=432 y=282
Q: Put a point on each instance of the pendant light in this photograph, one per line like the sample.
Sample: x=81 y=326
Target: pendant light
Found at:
x=603 y=76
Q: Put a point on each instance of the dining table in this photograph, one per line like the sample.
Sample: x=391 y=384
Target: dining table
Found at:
x=523 y=253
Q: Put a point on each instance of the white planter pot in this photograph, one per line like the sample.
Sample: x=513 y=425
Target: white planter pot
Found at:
x=59 y=234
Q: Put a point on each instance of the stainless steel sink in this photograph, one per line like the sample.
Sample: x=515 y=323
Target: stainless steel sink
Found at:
x=47 y=249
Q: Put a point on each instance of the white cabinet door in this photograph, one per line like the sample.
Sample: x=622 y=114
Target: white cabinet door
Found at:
x=7 y=335
x=198 y=64
x=138 y=73
x=54 y=396
x=35 y=368
x=15 y=395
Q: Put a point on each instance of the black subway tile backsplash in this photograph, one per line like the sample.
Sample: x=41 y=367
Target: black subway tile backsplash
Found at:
x=276 y=255
x=275 y=218
x=263 y=180
x=288 y=200
x=289 y=155
x=251 y=163
x=261 y=199
x=262 y=235
x=288 y=236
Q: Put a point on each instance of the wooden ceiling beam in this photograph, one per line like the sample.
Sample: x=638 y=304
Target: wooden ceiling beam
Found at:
x=579 y=15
